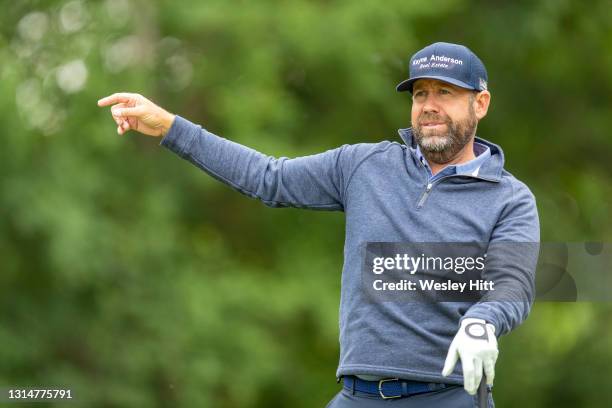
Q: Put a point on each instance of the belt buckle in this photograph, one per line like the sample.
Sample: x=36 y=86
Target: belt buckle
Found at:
x=380 y=391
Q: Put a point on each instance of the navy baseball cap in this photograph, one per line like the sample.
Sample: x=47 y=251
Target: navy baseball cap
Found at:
x=452 y=63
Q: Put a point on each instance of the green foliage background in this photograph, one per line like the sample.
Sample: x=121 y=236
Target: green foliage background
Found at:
x=136 y=280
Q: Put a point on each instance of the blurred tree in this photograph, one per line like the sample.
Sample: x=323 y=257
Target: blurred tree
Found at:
x=136 y=280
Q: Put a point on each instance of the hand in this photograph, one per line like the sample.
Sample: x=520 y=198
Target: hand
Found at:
x=134 y=111
x=476 y=344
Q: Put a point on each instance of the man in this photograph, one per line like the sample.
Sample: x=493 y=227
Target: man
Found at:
x=442 y=185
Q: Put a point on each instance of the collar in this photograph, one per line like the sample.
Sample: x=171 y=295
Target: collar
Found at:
x=489 y=167
x=470 y=167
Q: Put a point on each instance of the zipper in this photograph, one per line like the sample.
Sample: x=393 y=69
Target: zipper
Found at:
x=429 y=186
x=424 y=196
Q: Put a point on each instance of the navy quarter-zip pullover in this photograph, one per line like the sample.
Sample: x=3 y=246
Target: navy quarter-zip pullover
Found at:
x=384 y=190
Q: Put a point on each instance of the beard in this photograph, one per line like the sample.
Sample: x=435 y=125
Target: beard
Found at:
x=442 y=146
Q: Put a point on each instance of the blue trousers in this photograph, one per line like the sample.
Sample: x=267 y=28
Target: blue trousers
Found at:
x=450 y=397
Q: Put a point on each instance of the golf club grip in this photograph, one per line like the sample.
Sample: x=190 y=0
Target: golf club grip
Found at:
x=483 y=394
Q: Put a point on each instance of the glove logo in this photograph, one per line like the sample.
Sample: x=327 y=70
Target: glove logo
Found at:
x=477 y=331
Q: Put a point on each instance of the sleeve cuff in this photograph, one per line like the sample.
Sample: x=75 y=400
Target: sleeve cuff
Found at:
x=181 y=135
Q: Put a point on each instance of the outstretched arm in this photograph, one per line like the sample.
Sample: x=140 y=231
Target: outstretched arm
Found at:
x=315 y=181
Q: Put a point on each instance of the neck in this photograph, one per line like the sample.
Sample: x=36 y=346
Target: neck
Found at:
x=463 y=156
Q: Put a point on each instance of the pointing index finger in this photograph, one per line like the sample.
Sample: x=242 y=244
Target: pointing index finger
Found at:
x=121 y=97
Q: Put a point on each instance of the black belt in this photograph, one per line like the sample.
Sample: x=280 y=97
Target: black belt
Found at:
x=391 y=387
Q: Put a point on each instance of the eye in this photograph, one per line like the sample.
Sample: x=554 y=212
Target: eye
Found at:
x=444 y=91
x=418 y=94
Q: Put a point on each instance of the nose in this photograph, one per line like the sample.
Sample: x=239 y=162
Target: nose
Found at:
x=430 y=105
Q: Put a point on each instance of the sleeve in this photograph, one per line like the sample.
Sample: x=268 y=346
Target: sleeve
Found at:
x=315 y=182
x=512 y=257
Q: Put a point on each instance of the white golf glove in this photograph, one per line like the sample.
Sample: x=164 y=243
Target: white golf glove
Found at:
x=475 y=343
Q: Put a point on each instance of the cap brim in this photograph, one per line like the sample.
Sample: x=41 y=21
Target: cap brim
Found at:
x=406 y=85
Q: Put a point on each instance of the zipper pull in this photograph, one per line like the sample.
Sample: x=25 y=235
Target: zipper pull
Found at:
x=424 y=196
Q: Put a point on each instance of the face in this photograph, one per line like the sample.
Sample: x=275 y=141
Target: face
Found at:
x=444 y=117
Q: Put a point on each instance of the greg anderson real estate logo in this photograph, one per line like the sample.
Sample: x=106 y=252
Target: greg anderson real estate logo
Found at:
x=436 y=61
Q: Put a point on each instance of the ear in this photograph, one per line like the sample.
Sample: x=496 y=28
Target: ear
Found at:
x=481 y=104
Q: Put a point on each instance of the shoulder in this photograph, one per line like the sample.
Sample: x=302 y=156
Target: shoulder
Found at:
x=519 y=213
x=518 y=189
x=363 y=151
x=354 y=156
